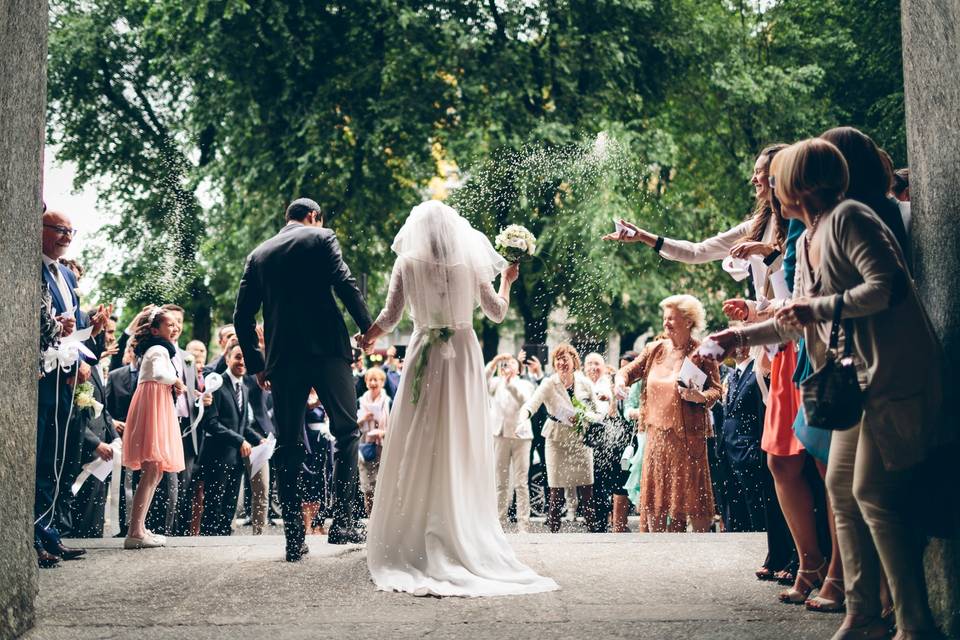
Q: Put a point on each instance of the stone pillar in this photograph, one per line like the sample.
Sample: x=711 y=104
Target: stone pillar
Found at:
x=931 y=62
x=23 y=86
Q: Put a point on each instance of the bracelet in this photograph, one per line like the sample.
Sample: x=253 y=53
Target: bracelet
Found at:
x=770 y=259
x=658 y=245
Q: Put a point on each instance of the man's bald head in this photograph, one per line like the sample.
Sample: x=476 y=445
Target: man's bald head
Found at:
x=55 y=241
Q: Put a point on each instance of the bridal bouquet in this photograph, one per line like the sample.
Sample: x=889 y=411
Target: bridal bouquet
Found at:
x=516 y=243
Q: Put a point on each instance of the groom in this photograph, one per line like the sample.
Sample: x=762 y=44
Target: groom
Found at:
x=294 y=275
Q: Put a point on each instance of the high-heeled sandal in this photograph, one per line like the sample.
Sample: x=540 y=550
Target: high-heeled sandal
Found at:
x=796 y=596
x=826 y=605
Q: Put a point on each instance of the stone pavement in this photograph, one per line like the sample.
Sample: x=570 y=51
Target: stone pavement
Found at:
x=612 y=586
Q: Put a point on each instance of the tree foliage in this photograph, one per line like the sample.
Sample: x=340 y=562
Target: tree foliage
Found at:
x=199 y=121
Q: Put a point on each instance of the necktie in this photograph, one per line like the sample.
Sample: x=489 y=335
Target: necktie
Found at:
x=238 y=392
x=53 y=268
x=734 y=382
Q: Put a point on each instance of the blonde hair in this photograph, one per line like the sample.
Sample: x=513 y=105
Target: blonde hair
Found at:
x=567 y=348
x=375 y=372
x=812 y=174
x=689 y=307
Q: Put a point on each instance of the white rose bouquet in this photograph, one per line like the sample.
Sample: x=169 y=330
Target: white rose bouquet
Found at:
x=516 y=243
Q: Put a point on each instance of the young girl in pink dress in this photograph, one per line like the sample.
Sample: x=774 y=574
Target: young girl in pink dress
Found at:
x=152 y=441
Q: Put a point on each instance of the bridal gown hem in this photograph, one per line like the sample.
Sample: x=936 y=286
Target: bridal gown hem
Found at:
x=434 y=529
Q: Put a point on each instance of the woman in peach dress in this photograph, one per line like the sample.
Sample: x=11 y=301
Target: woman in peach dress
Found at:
x=152 y=441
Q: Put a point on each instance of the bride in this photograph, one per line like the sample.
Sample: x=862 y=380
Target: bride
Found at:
x=434 y=528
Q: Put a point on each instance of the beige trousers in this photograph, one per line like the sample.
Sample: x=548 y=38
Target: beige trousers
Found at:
x=512 y=457
x=259 y=497
x=874 y=527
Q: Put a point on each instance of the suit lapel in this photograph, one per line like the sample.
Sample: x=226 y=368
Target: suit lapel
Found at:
x=58 y=301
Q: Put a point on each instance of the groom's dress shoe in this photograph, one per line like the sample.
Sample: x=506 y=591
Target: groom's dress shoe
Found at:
x=46 y=560
x=69 y=553
x=294 y=556
x=342 y=535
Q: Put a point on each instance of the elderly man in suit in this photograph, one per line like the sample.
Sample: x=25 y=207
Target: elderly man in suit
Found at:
x=293 y=276
x=230 y=439
x=55 y=394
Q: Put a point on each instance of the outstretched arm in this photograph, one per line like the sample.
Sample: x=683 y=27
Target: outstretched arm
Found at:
x=391 y=313
x=495 y=305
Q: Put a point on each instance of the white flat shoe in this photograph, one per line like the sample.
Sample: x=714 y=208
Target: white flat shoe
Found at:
x=156 y=536
x=146 y=542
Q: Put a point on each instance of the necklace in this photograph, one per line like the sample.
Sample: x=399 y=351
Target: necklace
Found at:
x=811 y=232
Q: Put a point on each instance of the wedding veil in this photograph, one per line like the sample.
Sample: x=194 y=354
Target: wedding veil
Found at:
x=444 y=259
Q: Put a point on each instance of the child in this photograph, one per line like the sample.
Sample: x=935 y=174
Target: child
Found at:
x=152 y=440
x=372 y=417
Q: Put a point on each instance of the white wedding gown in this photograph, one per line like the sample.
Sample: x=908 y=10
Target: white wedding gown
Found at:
x=434 y=528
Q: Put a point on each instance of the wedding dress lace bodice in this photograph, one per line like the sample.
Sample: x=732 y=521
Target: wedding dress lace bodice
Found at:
x=438 y=296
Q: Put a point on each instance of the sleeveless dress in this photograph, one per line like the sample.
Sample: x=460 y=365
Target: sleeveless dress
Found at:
x=152 y=433
x=434 y=529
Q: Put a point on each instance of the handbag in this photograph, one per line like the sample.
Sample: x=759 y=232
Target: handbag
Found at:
x=832 y=398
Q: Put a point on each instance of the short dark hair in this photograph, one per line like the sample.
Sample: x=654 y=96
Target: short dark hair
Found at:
x=175 y=308
x=299 y=208
x=223 y=329
x=901 y=180
x=233 y=344
x=869 y=175
x=629 y=356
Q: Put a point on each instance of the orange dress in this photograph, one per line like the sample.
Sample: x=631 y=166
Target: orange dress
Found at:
x=152 y=433
x=675 y=476
x=783 y=403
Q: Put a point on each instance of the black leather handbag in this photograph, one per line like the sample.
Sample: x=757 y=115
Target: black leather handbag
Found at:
x=832 y=398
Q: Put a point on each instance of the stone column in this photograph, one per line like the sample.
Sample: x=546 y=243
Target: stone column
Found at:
x=23 y=86
x=931 y=63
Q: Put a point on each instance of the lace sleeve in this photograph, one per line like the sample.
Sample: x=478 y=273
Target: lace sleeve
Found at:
x=493 y=306
x=393 y=307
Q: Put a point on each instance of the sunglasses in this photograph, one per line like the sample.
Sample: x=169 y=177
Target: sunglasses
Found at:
x=64 y=231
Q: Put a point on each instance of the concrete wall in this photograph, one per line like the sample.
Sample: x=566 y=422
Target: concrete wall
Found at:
x=23 y=51
x=931 y=52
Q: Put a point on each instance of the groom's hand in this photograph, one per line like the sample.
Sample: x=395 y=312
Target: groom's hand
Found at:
x=263 y=382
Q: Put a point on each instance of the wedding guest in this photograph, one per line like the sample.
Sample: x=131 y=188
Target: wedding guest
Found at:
x=849 y=261
x=676 y=474
x=87 y=510
x=512 y=437
x=610 y=443
x=740 y=429
x=121 y=385
x=901 y=191
x=257 y=486
x=181 y=491
x=373 y=416
x=229 y=440
x=152 y=442
x=569 y=461
x=532 y=371
x=199 y=352
x=391 y=366
x=316 y=466
x=870 y=180
x=55 y=395
x=225 y=334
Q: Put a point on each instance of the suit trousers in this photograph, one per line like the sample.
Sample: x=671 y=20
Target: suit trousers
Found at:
x=87 y=510
x=259 y=496
x=512 y=457
x=871 y=506
x=221 y=489
x=781 y=550
x=333 y=381
x=186 y=493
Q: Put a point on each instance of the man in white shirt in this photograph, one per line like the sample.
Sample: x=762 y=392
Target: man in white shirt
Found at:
x=512 y=436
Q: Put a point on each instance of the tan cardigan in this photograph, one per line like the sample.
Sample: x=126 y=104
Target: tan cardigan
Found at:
x=899 y=359
x=696 y=419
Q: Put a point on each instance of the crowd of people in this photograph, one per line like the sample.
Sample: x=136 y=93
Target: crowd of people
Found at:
x=690 y=434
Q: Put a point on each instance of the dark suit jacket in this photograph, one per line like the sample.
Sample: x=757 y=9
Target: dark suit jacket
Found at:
x=293 y=276
x=121 y=383
x=218 y=365
x=742 y=428
x=48 y=383
x=226 y=427
x=98 y=429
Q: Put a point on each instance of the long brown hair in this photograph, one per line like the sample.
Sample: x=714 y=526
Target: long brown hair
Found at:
x=149 y=317
x=763 y=210
x=870 y=175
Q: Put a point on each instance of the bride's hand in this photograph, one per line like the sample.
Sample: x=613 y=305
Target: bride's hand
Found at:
x=511 y=273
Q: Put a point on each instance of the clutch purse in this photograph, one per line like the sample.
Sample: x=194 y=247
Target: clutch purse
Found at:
x=832 y=398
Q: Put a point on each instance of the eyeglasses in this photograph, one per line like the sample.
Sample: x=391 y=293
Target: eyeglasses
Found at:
x=64 y=231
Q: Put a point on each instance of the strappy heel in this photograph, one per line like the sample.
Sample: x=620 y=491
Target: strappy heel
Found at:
x=796 y=596
x=826 y=605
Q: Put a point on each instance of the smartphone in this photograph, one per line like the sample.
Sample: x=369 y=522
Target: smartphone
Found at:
x=540 y=351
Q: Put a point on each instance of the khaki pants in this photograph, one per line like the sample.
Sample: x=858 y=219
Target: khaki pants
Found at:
x=512 y=457
x=871 y=509
x=259 y=497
